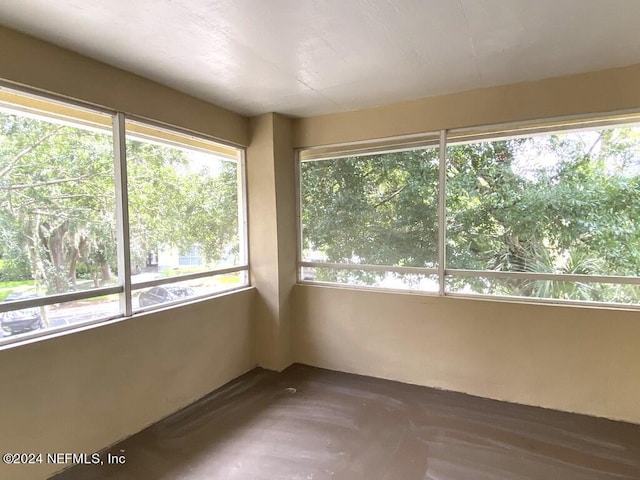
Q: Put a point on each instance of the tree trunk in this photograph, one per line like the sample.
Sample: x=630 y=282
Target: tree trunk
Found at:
x=73 y=263
x=37 y=270
x=57 y=255
x=106 y=272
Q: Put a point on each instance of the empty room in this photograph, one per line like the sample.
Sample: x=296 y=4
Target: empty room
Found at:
x=382 y=239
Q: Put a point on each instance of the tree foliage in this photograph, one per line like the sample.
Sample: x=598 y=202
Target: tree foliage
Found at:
x=560 y=203
x=56 y=192
x=57 y=202
x=175 y=201
x=375 y=209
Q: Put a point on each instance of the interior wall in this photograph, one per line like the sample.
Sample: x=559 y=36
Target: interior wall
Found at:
x=272 y=233
x=37 y=64
x=285 y=179
x=583 y=360
x=587 y=93
x=83 y=391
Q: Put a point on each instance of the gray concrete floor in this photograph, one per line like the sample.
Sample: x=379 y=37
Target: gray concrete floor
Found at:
x=308 y=423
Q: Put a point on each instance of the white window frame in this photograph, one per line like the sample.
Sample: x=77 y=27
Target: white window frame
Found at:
x=124 y=288
x=457 y=136
x=242 y=225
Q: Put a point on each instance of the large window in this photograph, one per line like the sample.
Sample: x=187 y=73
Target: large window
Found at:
x=69 y=256
x=374 y=217
x=184 y=212
x=548 y=215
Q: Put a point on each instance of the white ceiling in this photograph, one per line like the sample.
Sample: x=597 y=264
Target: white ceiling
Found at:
x=310 y=57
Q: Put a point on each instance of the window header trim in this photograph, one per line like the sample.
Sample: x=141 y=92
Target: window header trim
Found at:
x=383 y=145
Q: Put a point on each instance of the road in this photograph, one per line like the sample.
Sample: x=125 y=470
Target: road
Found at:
x=69 y=315
x=83 y=311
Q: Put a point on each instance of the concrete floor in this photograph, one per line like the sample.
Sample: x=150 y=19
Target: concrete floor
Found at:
x=308 y=423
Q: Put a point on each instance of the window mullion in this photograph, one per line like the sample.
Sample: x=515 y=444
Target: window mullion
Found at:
x=442 y=221
x=122 y=212
x=242 y=210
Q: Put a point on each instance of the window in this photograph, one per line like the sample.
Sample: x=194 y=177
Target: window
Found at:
x=371 y=219
x=192 y=257
x=547 y=213
x=546 y=216
x=185 y=206
x=57 y=215
x=63 y=260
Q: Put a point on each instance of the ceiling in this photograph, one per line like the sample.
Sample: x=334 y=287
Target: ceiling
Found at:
x=311 y=57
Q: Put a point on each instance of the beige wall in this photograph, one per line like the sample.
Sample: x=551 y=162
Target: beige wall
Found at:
x=270 y=180
x=605 y=91
x=576 y=359
x=83 y=391
x=582 y=360
x=40 y=65
x=86 y=390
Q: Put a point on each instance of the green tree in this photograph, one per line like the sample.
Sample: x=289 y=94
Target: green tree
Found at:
x=573 y=215
x=56 y=193
x=560 y=203
x=179 y=200
x=57 y=202
x=363 y=210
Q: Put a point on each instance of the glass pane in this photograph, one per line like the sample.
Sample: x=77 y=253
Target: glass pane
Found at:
x=186 y=290
x=565 y=202
x=183 y=204
x=553 y=289
x=373 y=209
x=51 y=317
x=390 y=280
x=57 y=202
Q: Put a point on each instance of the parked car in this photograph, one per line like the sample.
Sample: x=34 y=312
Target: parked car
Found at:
x=308 y=273
x=24 y=320
x=163 y=294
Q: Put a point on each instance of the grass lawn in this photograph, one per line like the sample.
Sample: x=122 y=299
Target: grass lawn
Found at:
x=19 y=286
x=229 y=279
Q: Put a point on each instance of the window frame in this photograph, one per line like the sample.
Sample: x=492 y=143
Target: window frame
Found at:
x=242 y=223
x=61 y=109
x=452 y=137
x=356 y=149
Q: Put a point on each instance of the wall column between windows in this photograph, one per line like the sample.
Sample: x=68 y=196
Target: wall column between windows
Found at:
x=272 y=236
